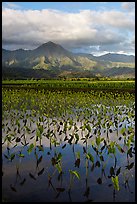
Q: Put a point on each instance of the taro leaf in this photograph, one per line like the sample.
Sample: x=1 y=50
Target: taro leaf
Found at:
x=53 y=161
x=90 y=136
x=97 y=164
x=18 y=139
x=70 y=140
x=22 y=182
x=63 y=146
x=75 y=173
x=28 y=129
x=15 y=145
x=115 y=182
x=123 y=131
x=90 y=157
x=84 y=141
x=98 y=140
x=18 y=130
x=58 y=128
x=103 y=147
x=66 y=138
x=77 y=163
x=95 y=131
x=120 y=148
x=21 y=155
x=110 y=130
x=25 y=122
x=38 y=134
x=22 y=135
x=95 y=149
x=22 y=143
x=105 y=142
x=32 y=137
x=12 y=156
x=39 y=160
x=60 y=189
x=130 y=152
x=59 y=157
x=130 y=166
x=101 y=158
x=58 y=166
x=60 y=133
x=99 y=181
x=120 y=125
x=88 y=128
x=118 y=171
x=12 y=188
x=41 y=129
x=33 y=177
x=112 y=172
x=77 y=137
x=41 y=148
x=40 y=172
x=78 y=155
x=30 y=148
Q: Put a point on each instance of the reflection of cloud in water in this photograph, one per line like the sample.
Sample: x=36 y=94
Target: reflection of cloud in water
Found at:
x=54 y=134
x=38 y=189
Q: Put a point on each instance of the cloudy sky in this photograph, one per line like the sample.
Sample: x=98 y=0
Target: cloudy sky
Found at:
x=91 y=27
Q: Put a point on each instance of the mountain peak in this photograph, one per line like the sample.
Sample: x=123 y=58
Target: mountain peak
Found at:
x=51 y=49
x=49 y=44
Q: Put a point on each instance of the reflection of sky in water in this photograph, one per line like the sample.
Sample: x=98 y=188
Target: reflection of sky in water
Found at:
x=38 y=190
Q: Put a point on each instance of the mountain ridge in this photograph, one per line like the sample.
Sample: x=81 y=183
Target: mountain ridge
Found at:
x=54 y=58
x=51 y=44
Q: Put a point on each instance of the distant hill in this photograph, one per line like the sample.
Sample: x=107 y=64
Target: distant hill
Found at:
x=53 y=58
x=117 y=58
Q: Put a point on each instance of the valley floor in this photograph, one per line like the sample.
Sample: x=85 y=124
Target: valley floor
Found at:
x=72 y=84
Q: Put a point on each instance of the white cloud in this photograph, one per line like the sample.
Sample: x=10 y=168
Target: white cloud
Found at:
x=31 y=28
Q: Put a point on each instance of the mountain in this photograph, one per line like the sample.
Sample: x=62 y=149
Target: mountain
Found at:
x=50 y=49
x=117 y=58
x=52 y=60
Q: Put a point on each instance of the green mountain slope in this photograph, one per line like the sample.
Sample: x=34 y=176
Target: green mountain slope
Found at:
x=53 y=58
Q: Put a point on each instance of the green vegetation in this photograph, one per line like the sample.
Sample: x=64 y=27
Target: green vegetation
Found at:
x=72 y=84
x=71 y=135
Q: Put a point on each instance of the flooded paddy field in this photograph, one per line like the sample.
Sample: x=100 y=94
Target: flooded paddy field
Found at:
x=66 y=146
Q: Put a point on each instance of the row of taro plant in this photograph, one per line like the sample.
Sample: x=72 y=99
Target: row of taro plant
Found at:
x=60 y=84
x=98 y=153
x=103 y=124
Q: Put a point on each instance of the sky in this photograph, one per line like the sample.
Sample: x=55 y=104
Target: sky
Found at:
x=84 y=27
